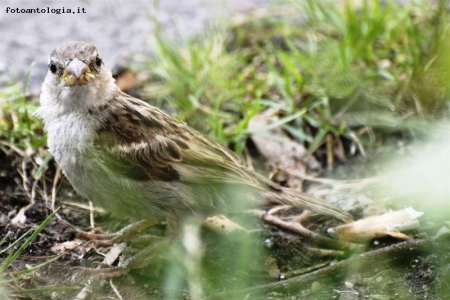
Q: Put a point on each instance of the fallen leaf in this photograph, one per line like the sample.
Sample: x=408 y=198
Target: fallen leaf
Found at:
x=288 y=159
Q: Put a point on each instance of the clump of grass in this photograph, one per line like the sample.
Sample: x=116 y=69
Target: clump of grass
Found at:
x=333 y=70
x=20 y=131
x=200 y=82
x=22 y=137
x=18 y=126
x=389 y=46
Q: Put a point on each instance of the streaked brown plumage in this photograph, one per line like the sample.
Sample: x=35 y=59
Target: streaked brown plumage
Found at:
x=133 y=159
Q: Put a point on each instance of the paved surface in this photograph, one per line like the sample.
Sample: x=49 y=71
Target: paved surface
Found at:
x=119 y=28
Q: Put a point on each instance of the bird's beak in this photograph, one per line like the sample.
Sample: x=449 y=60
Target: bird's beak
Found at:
x=77 y=73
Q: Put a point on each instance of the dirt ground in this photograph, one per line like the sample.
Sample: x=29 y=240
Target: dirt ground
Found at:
x=281 y=265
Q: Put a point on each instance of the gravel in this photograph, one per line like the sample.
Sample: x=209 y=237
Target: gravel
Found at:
x=120 y=29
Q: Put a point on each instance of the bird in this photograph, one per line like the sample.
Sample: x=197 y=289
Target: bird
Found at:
x=136 y=161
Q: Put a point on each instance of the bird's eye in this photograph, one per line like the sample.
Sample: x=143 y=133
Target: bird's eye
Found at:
x=52 y=67
x=98 y=61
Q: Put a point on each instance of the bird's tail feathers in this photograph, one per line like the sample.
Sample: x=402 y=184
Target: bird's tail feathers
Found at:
x=302 y=200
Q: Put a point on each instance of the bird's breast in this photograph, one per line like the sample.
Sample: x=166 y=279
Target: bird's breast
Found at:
x=68 y=139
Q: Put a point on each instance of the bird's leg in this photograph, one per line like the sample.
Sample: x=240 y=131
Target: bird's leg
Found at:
x=105 y=240
x=139 y=260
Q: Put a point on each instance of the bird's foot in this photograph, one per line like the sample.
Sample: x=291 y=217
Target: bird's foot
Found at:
x=140 y=260
x=100 y=239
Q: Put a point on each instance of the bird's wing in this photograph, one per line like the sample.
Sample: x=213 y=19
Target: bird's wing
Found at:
x=150 y=145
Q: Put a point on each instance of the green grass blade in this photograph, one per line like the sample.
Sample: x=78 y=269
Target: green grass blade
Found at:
x=13 y=255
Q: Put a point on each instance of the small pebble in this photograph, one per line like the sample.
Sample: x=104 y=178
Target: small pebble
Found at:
x=384 y=64
x=268 y=243
x=315 y=286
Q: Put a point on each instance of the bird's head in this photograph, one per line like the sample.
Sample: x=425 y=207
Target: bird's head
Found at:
x=77 y=77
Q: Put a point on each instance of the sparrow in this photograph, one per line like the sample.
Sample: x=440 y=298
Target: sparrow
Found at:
x=134 y=160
